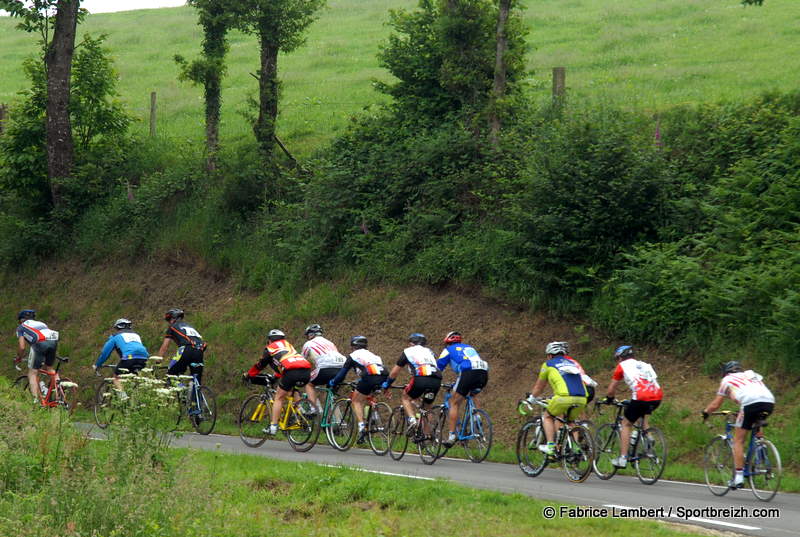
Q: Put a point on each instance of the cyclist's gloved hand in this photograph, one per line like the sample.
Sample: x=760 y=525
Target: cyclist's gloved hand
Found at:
x=94 y=368
x=608 y=400
x=704 y=414
x=245 y=378
x=531 y=398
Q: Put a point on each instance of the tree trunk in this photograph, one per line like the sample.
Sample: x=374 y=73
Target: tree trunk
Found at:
x=214 y=49
x=58 y=60
x=267 y=89
x=500 y=70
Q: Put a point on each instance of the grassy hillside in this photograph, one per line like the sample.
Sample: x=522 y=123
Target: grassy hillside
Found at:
x=641 y=53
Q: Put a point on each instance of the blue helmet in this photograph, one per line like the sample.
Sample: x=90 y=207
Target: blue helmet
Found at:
x=625 y=351
x=26 y=314
x=417 y=339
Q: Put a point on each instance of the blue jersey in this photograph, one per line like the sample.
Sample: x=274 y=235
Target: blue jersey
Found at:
x=461 y=357
x=128 y=345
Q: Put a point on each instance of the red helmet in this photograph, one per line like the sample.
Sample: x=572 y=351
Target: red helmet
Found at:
x=452 y=337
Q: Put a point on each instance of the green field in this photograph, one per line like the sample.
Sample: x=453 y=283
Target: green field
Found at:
x=638 y=53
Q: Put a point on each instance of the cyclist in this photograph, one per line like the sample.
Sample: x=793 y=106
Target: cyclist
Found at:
x=130 y=349
x=425 y=376
x=43 y=343
x=293 y=369
x=191 y=346
x=472 y=371
x=748 y=390
x=564 y=376
x=646 y=395
x=373 y=374
x=324 y=356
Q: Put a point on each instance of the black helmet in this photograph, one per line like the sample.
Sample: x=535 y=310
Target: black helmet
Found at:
x=625 y=351
x=24 y=315
x=275 y=335
x=417 y=339
x=358 y=341
x=314 y=329
x=173 y=314
x=731 y=367
x=122 y=324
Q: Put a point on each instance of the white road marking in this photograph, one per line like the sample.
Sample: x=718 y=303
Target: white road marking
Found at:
x=357 y=469
x=695 y=519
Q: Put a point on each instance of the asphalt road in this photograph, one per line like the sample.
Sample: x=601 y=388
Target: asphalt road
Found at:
x=669 y=500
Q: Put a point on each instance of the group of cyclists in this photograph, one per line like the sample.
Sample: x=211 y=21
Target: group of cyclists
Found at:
x=320 y=363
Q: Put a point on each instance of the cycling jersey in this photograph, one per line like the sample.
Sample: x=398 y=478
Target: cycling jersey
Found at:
x=322 y=353
x=420 y=361
x=367 y=363
x=640 y=378
x=282 y=356
x=185 y=336
x=589 y=381
x=128 y=345
x=745 y=388
x=461 y=358
x=36 y=331
x=564 y=376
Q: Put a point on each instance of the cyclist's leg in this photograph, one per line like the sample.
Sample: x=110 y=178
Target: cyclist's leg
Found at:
x=359 y=399
x=455 y=408
x=277 y=406
x=35 y=361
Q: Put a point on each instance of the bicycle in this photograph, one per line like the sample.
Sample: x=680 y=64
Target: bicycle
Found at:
x=574 y=445
x=301 y=429
x=423 y=433
x=338 y=422
x=473 y=429
x=647 y=449
x=376 y=421
x=198 y=403
x=55 y=390
x=762 y=464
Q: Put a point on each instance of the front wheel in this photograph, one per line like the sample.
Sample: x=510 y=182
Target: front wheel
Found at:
x=425 y=437
x=531 y=461
x=607 y=443
x=103 y=401
x=66 y=395
x=342 y=422
x=203 y=410
x=254 y=418
x=577 y=454
x=651 y=455
x=718 y=465
x=765 y=470
x=398 y=441
x=479 y=436
x=378 y=428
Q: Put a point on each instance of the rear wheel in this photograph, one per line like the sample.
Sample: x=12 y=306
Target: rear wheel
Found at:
x=718 y=465
x=203 y=410
x=531 y=461
x=304 y=432
x=378 y=428
x=577 y=454
x=651 y=455
x=254 y=417
x=398 y=441
x=342 y=425
x=479 y=443
x=765 y=470
x=607 y=443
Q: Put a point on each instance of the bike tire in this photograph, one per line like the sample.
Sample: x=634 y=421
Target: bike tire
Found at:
x=304 y=437
x=441 y=431
x=477 y=448
x=341 y=431
x=651 y=455
x=398 y=440
x=718 y=465
x=21 y=383
x=254 y=417
x=66 y=396
x=103 y=403
x=427 y=446
x=204 y=421
x=765 y=470
x=577 y=453
x=607 y=442
x=378 y=428
x=531 y=461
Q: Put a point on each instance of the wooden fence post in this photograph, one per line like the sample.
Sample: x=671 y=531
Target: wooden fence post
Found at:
x=3 y=115
x=152 y=113
x=559 y=85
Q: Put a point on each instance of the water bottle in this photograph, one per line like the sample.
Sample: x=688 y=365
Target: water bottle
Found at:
x=634 y=436
x=43 y=388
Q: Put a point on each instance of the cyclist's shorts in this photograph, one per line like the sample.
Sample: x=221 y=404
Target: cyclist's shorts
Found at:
x=560 y=404
x=752 y=412
x=324 y=375
x=370 y=383
x=295 y=378
x=471 y=380
x=42 y=353
x=589 y=394
x=133 y=365
x=188 y=355
x=636 y=409
x=424 y=385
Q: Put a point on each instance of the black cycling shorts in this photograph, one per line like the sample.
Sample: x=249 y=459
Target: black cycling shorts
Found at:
x=424 y=385
x=133 y=365
x=295 y=378
x=369 y=383
x=189 y=355
x=589 y=394
x=324 y=375
x=636 y=409
x=752 y=412
x=471 y=381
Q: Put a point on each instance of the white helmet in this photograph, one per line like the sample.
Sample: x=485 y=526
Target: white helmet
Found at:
x=122 y=324
x=557 y=347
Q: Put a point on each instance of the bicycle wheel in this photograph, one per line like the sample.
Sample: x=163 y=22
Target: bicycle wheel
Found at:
x=341 y=430
x=479 y=442
x=103 y=404
x=203 y=410
x=398 y=441
x=21 y=383
x=66 y=395
x=607 y=443
x=531 y=461
x=441 y=430
x=577 y=453
x=765 y=470
x=378 y=428
x=651 y=455
x=303 y=434
x=424 y=437
x=718 y=465
x=254 y=418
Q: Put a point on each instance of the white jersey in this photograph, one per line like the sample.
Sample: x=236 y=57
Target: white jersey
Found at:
x=322 y=353
x=35 y=331
x=641 y=378
x=745 y=388
x=367 y=362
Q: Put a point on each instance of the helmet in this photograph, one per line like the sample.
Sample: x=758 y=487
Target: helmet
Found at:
x=358 y=341
x=557 y=347
x=173 y=314
x=731 y=367
x=625 y=351
x=26 y=314
x=275 y=335
x=453 y=337
x=417 y=339
x=314 y=329
x=122 y=324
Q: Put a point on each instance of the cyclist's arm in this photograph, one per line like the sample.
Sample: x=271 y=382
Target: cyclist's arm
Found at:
x=443 y=360
x=21 y=348
x=105 y=353
x=612 y=388
x=164 y=347
x=340 y=376
x=715 y=403
x=539 y=387
x=393 y=374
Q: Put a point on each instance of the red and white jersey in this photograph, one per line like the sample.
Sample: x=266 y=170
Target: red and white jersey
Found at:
x=745 y=388
x=35 y=331
x=322 y=353
x=285 y=357
x=641 y=378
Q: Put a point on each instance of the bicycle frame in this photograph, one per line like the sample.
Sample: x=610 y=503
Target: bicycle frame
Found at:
x=465 y=426
x=751 y=446
x=617 y=425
